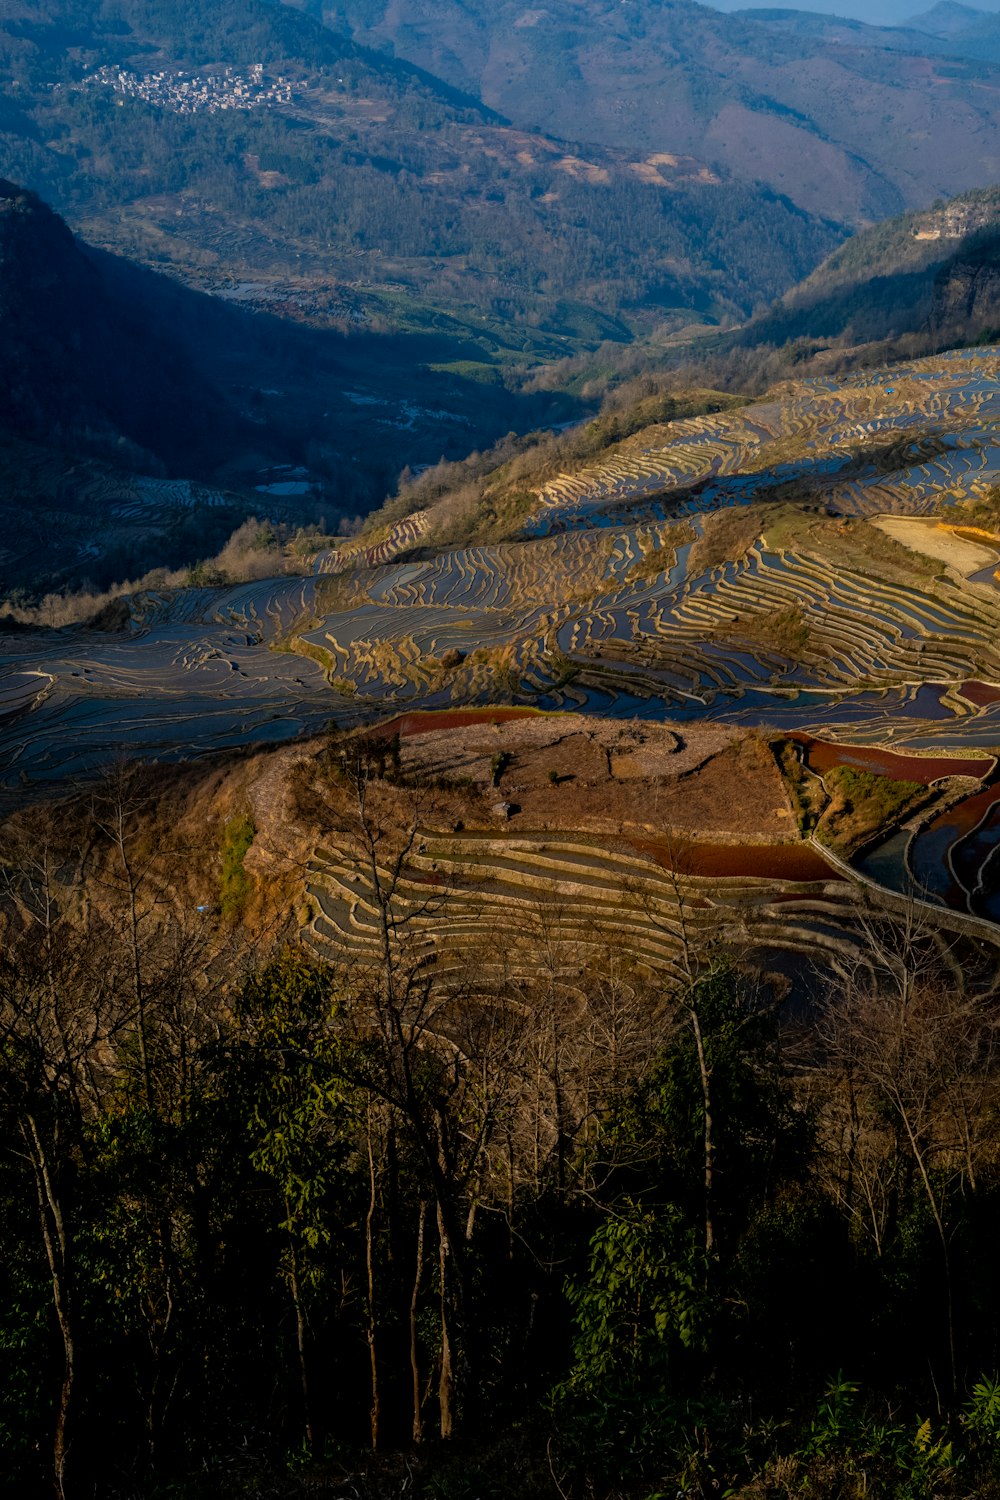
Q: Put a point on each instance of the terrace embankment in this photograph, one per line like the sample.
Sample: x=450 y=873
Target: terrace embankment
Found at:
x=438 y=721
x=875 y=441
x=486 y=851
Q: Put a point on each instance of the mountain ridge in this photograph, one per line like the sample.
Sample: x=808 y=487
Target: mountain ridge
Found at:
x=855 y=132
x=76 y=367
x=358 y=170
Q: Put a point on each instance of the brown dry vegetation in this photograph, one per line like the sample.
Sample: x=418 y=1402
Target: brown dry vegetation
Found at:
x=605 y=779
x=255 y=550
x=175 y=819
x=658 y=559
x=728 y=535
x=486 y=496
x=847 y=540
x=783 y=630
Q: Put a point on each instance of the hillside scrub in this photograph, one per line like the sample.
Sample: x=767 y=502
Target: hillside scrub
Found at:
x=863 y=804
x=727 y=535
x=234 y=883
x=256 y=549
x=486 y=496
x=785 y=631
x=660 y=559
x=880 y=298
x=806 y=790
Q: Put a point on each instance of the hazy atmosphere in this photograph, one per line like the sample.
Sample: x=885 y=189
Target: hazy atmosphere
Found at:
x=879 y=12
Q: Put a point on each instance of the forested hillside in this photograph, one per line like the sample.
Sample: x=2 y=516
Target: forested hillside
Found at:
x=369 y=186
x=844 y=126
x=119 y=387
x=920 y=283
x=889 y=281
x=79 y=369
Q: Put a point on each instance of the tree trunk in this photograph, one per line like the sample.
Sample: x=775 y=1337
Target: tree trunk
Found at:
x=447 y=1394
x=376 y=1406
x=418 y=1418
x=57 y=1254
x=918 y=1157
x=295 y=1287
x=709 y=1142
x=158 y=1342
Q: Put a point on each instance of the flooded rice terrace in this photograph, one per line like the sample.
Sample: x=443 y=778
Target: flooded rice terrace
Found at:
x=602 y=607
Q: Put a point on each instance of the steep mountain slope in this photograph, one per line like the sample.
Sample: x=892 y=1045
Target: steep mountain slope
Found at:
x=843 y=127
x=928 y=275
x=963 y=30
x=82 y=369
x=249 y=146
x=119 y=386
x=946 y=31
x=883 y=13
x=946 y=18
x=841 y=30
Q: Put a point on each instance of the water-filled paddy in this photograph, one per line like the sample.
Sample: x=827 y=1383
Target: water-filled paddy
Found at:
x=823 y=756
x=971 y=853
x=783 y=862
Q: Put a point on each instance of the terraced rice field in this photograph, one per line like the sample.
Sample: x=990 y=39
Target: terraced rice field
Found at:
x=372 y=551
x=836 y=436
x=570 y=627
x=194 y=672
x=605 y=606
x=951 y=858
x=493 y=893
x=60 y=517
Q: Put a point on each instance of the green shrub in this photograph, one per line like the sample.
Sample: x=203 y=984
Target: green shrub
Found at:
x=235 y=883
x=498 y=765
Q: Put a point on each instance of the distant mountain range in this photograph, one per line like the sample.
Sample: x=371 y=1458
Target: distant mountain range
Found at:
x=581 y=172
x=848 y=121
x=946 y=30
x=889 y=13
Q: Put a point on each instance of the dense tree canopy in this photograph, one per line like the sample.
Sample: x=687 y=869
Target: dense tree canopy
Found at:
x=262 y=1213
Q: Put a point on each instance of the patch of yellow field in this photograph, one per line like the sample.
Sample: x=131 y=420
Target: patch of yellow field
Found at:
x=589 y=171
x=939 y=541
